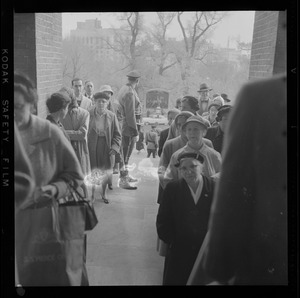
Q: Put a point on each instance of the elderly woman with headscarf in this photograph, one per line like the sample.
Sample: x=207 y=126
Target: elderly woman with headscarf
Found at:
x=183 y=216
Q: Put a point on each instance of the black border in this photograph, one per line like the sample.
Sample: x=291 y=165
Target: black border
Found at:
x=7 y=198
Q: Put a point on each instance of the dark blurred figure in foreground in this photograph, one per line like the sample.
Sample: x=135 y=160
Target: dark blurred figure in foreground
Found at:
x=248 y=222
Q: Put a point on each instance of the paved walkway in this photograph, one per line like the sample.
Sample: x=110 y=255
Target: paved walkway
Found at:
x=121 y=249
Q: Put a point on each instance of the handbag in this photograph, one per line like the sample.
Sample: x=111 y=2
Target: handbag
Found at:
x=49 y=245
x=90 y=216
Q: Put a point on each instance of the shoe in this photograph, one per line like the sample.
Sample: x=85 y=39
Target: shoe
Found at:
x=125 y=184
x=110 y=186
x=131 y=179
x=105 y=200
x=124 y=181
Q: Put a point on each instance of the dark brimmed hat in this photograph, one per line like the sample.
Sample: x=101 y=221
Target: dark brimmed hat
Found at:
x=194 y=155
x=197 y=119
x=223 y=110
x=225 y=97
x=134 y=74
x=204 y=87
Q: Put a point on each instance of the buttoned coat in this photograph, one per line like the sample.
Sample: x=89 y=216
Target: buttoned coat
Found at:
x=112 y=134
x=76 y=124
x=182 y=224
x=248 y=225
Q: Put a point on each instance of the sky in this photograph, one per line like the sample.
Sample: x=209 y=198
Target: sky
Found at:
x=236 y=23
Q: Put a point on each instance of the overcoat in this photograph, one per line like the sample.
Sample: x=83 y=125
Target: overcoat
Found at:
x=182 y=224
x=112 y=134
x=86 y=103
x=129 y=103
x=76 y=124
x=162 y=139
x=24 y=176
x=51 y=155
x=216 y=135
x=248 y=224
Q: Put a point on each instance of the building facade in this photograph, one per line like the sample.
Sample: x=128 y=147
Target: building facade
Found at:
x=102 y=41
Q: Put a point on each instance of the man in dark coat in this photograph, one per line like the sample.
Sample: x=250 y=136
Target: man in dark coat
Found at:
x=216 y=133
x=248 y=221
x=164 y=133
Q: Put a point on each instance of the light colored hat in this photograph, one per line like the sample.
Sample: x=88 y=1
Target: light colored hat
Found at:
x=197 y=119
x=218 y=100
x=104 y=88
x=134 y=74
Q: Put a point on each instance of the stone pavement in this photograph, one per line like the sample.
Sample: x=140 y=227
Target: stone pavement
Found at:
x=121 y=250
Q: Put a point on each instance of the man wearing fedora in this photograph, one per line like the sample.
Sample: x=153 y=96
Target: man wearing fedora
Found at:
x=204 y=99
x=129 y=105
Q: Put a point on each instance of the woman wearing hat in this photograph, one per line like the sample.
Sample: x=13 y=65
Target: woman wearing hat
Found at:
x=212 y=114
x=108 y=91
x=104 y=140
x=195 y=128
x=183 y=216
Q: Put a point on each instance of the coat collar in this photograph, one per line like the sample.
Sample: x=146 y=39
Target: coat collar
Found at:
x=40 y=129
x=107 y=114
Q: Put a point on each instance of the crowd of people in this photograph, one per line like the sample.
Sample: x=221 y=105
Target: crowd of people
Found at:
x=207 y=163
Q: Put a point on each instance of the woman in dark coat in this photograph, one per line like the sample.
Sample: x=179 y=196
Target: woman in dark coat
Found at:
x=183 y=218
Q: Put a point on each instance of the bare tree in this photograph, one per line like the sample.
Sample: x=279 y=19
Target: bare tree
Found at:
x=78 y=61
x=194 y=34
x=126 y=39
x=159 y=36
